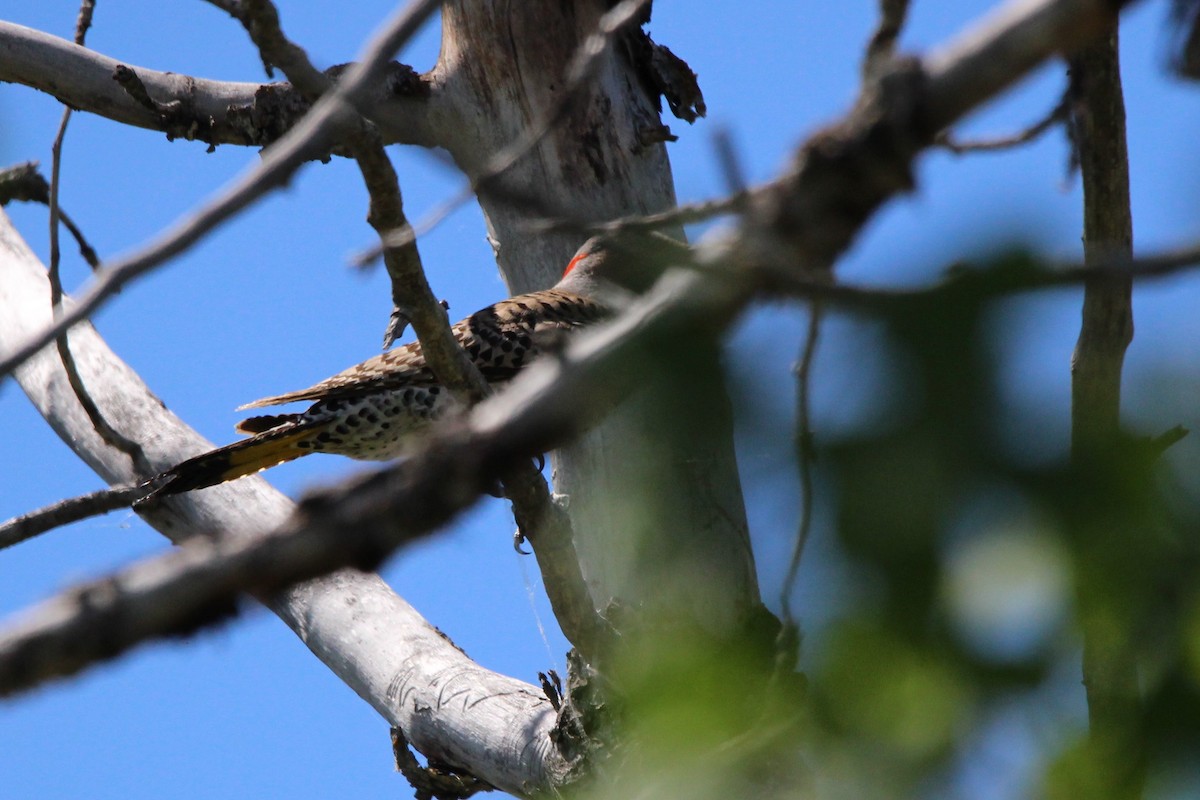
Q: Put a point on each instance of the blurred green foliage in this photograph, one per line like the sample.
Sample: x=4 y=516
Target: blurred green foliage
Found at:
x=973 y=573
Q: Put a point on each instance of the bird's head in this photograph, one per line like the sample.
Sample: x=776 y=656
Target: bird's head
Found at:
x=631 y=263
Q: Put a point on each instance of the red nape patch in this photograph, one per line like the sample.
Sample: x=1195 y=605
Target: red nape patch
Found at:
x=571 y=264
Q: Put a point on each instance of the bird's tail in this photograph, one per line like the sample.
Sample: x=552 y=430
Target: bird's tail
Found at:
x=245 y=457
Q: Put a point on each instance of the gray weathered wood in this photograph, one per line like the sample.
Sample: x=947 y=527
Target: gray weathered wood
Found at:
x=657 y=512
x=448 y=706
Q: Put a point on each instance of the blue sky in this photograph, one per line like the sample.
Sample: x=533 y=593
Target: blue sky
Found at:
x=267 y=304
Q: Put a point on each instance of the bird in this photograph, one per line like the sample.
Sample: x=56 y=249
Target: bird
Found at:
x=378 y=410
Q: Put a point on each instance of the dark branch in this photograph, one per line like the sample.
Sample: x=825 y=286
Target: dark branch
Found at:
x=643 y=223
x=1185 y=45
x=84 y=20
x=23 y=182
x=106 y=431
x=1057 y=115
x=547 y=526
x=1160 y=444
x=806 y=456
x=1005 y=278
x=412 y=298
x=882 y=45
x=1111 y=632
x=65 y=512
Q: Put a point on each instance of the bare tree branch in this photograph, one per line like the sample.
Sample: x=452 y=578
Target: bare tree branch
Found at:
x=680 y=215
x=882 y=45
x=215 y=112
x=312 y=136
x=546 y=524
x=972 y=68
x=1185 y=38
x=200 y=583
x=1000 y=280
x=1057 y=114
x=83 y=21
x=106 y=431
x=411 y=295
x=806 y=456
x=437 y=780
x=1111 y=628
x=64 y=512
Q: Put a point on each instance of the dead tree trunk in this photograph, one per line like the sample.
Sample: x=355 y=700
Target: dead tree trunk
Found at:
x=679 y=536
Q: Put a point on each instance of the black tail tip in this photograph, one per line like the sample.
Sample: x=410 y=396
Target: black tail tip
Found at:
x=168 y=483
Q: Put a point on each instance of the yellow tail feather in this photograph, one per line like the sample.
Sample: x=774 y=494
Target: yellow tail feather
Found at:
x=234 y=460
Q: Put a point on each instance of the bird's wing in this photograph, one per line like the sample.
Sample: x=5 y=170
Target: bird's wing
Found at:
x=500 y=340
x=404 y=364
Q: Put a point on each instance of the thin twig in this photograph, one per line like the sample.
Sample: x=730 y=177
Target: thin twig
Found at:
x=1057 y=115
x=547 y=526
x=103 y=428
x=806 y=455
x=231 y=7
x=311 y=136
x=680 y=215
x=882 y=45
x=65 y=512
x=997 y=281
x=84 y=20
x=731 y=166
x=128 y=79
x=412 y=299
x=639 y=223
x=1160 y=444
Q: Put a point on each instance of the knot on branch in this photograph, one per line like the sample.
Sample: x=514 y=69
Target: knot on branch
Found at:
x=177 y=118
x=845 y=172
x=23 y=182
x=277 y=107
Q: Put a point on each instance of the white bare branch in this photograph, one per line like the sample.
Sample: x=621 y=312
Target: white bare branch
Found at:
x=216 y=112
x=370 y=637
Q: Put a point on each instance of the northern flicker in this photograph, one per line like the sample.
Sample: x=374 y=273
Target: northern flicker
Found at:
x=376 y=410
